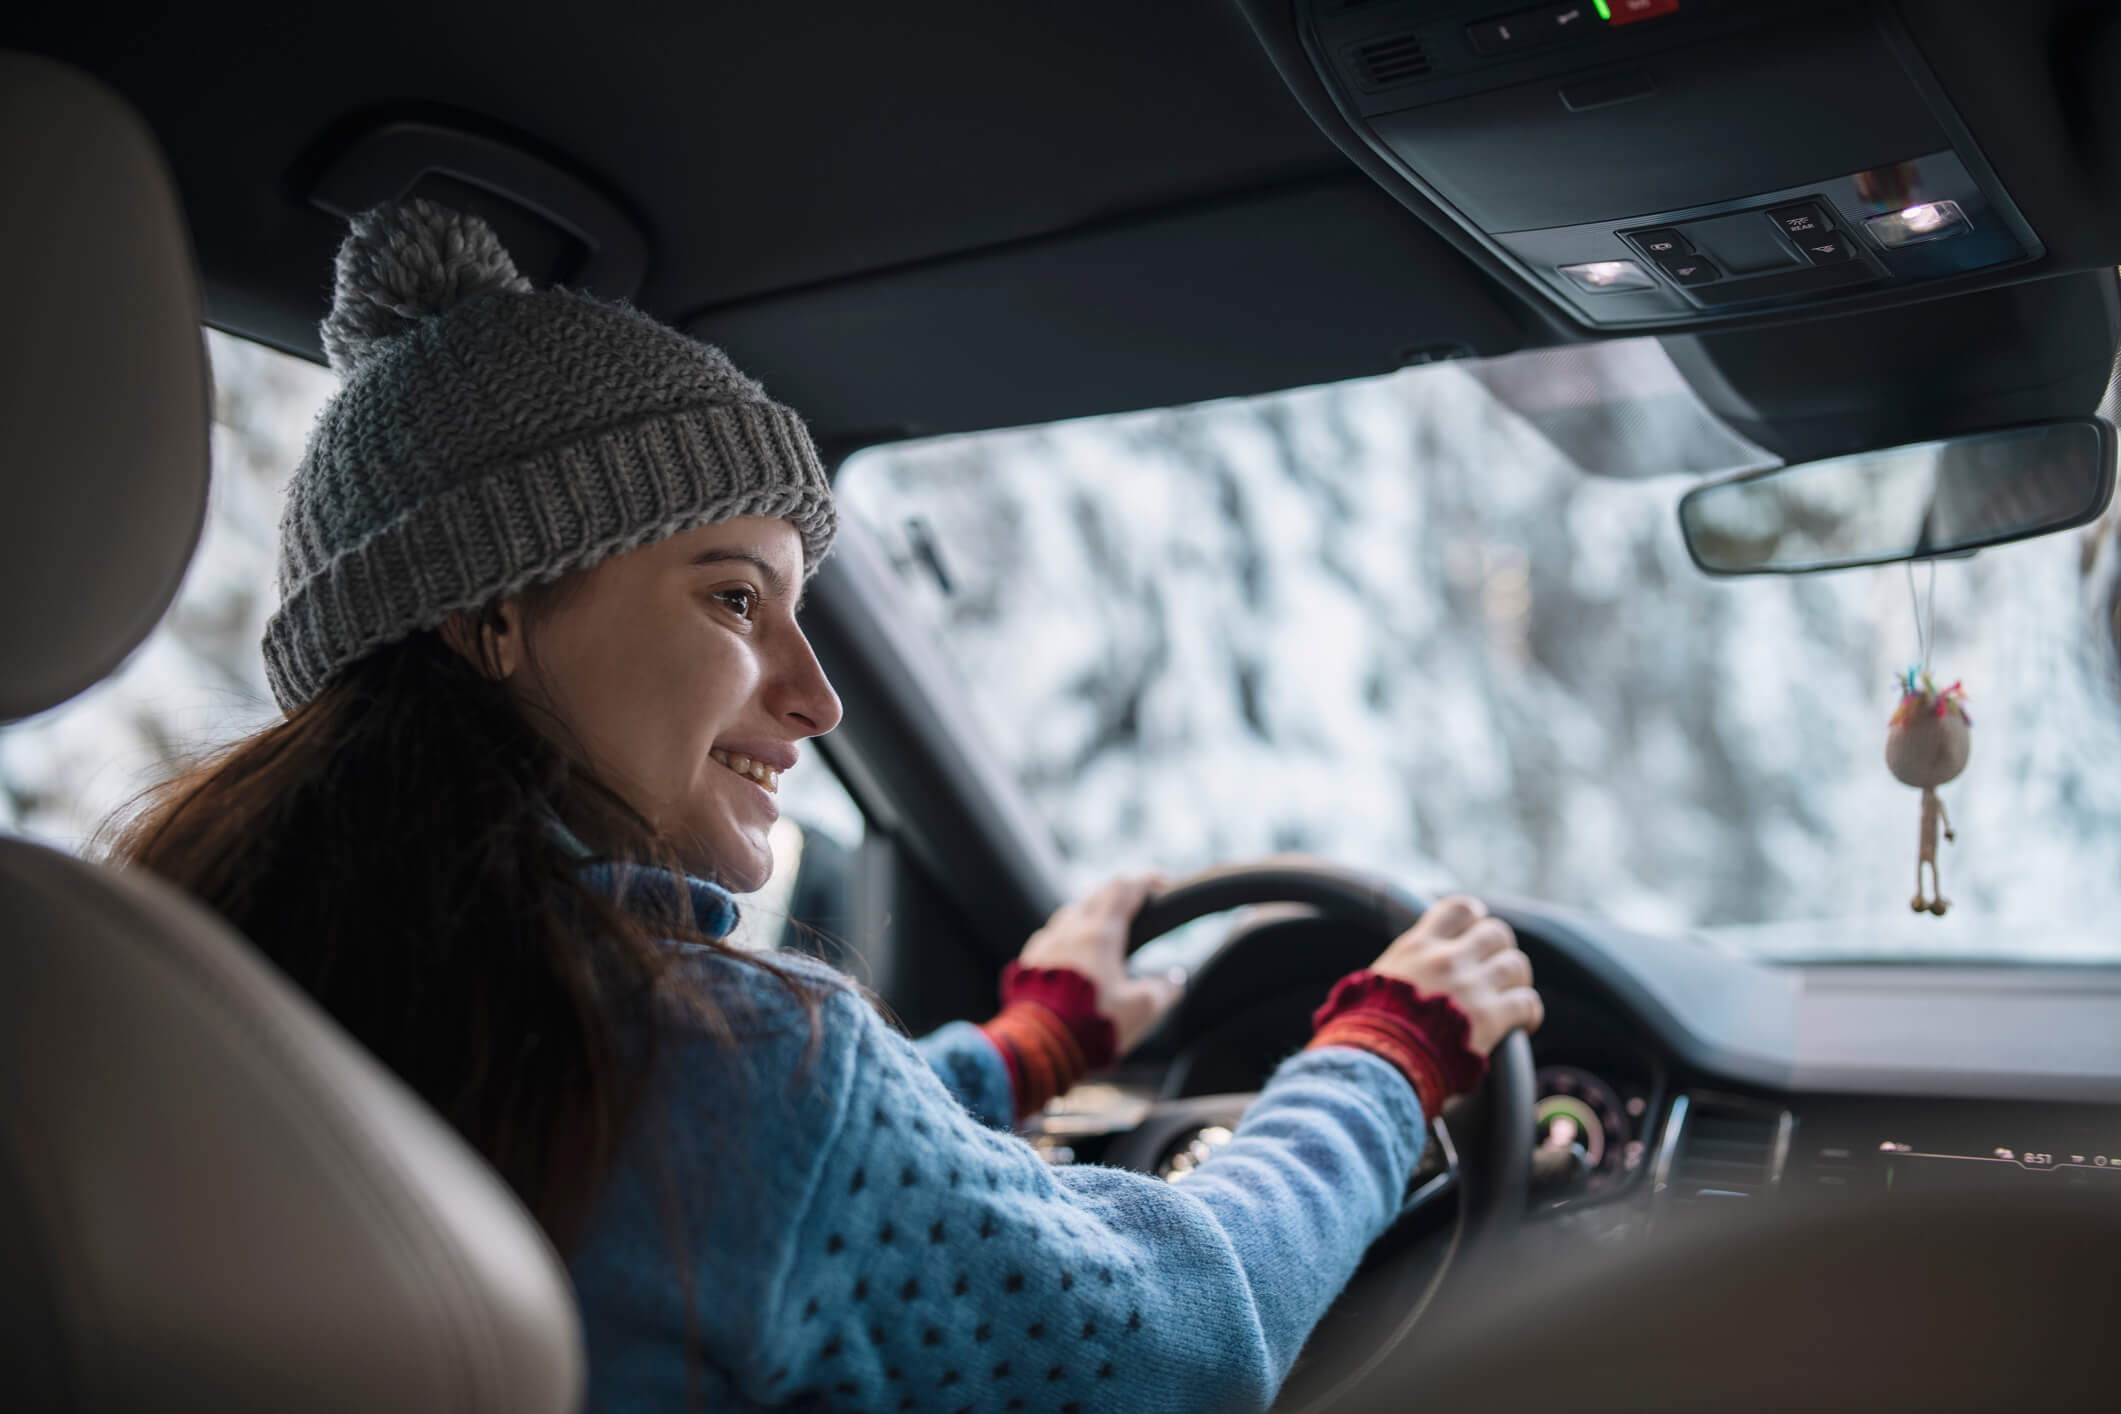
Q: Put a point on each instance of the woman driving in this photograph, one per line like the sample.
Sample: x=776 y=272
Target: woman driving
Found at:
x=540 y=661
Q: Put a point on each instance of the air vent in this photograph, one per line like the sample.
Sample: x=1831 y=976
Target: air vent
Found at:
x=1381 y=63
x=1719 y=1148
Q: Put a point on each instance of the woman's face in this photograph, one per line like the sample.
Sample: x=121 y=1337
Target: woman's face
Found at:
x=680 y=671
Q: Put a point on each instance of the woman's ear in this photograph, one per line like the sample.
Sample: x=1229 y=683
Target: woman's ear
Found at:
x=490 y=639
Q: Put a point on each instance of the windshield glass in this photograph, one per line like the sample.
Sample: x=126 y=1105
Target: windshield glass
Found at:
x=1441 y=624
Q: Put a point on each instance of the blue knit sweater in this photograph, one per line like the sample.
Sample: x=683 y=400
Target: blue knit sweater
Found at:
x=850 y=1224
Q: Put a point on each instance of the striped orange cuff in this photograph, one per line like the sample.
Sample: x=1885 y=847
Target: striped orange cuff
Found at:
x=1428 y=1039
x=1043 y=1057
x=1396 y=1044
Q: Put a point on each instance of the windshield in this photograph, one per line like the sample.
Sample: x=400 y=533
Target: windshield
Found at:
x=1401 y=624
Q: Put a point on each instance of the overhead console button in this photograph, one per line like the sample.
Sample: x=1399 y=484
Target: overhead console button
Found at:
x=1511 y=33
x=1829 y=249
x=1662 y=242
x=1568 y=21
x=1800 y=221
x=1690 y=269
x=1529 y=29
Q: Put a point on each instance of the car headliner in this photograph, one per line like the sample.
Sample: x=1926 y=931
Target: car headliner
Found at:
x=925 y=219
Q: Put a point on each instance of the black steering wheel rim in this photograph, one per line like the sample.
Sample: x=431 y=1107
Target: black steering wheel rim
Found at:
x=1496 y=1161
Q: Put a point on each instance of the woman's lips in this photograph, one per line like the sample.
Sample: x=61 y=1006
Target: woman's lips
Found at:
x=756 y=771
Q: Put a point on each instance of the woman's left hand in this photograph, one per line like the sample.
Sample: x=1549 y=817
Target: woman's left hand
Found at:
x=1090 y=936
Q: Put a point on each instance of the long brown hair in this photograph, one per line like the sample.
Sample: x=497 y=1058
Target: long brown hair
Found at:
x=392 y=847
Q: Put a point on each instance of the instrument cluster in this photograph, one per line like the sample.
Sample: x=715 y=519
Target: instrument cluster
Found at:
x=1590 y=1140
x=1600 y=1101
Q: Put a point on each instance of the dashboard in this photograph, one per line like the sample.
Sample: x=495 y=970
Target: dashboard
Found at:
x=1853 y=1145
x=1672 y=1075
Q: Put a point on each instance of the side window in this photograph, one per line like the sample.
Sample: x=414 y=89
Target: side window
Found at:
x=198 y=682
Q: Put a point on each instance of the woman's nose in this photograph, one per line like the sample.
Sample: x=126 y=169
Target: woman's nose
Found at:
x=807 y=698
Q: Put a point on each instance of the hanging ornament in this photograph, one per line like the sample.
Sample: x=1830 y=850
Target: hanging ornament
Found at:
x=1927 y=744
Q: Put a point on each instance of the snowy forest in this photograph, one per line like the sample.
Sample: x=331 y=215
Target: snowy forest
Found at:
x=1438 y=624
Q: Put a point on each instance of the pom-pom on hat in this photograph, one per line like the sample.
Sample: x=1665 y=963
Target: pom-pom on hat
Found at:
x=488 y=436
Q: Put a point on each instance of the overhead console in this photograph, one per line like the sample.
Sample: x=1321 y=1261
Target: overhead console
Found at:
x=1660 y=164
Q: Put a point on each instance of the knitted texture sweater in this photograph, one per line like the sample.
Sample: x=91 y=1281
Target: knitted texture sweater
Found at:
x=843 y=1221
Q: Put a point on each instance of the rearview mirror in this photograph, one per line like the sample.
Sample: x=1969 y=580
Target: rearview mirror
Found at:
x=1903 y=503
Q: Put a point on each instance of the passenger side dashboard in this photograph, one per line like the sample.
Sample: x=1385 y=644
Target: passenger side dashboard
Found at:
x=1820 y=1148
x=1694 y=1079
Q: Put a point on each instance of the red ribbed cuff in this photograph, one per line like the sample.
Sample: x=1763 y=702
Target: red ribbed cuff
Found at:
x=1426 y=1038
x=1049 y=1032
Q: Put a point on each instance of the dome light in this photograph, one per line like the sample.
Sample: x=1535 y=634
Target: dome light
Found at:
x=1603 y=275
x=1912 y=225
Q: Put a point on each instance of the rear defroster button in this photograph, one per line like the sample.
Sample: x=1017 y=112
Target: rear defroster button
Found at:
x=1801 y=221
x=1690 y=269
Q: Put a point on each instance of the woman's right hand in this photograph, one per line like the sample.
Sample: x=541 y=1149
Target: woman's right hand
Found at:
x=1459 y=950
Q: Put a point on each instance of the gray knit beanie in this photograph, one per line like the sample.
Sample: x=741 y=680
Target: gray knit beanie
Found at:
x=487 y=437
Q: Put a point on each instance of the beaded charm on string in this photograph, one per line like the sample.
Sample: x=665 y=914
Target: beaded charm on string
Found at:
x=1926 y=745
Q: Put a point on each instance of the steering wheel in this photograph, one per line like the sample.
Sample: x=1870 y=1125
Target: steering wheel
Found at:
x=1486 y=1140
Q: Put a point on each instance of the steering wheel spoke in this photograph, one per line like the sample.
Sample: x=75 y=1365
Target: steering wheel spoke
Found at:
x=1170 y=1125
x=1432 y=1198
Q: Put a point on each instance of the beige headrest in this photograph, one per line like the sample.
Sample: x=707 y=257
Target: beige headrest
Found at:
x=104 y=393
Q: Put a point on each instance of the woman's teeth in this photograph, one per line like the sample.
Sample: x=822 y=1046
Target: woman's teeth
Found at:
x=757 y=770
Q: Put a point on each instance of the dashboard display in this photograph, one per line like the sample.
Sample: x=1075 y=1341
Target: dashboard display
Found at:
x=1587 y=1138
x=1913 y=1168
x=2047 y=1151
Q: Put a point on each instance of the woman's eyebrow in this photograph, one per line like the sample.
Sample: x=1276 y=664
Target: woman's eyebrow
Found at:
x=776 y=582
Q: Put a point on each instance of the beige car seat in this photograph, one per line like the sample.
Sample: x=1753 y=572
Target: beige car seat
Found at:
x=210 y=1198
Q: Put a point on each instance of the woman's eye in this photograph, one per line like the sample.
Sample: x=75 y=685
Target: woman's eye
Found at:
x=744 y=602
